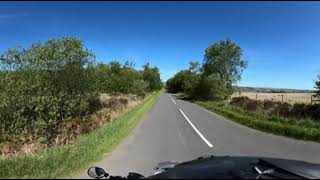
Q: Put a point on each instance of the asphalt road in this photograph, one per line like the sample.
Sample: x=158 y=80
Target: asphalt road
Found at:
x=177 y=130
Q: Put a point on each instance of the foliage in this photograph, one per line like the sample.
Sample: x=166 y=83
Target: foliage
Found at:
x=152 y=76
x=44 y=85
x=285 y=110
x=183 y=81
x=317 y=86
x=224 y=60
x=66 y=161
x=49 y=83
x=116 y=78
x=214 y=79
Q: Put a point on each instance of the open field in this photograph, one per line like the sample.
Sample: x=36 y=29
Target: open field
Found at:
x=287 y=97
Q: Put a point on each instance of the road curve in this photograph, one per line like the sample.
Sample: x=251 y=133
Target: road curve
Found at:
x=177 y=130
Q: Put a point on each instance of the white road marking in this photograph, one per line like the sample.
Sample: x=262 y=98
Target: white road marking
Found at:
x=173 y=101
x=197 y=131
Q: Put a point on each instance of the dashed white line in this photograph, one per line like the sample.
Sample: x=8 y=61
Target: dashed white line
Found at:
x=195 y=129
x=173 y=101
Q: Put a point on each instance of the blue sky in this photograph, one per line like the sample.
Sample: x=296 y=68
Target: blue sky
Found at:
x=280 y=40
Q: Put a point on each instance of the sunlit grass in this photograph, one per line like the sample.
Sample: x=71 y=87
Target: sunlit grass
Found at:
x=299 y=129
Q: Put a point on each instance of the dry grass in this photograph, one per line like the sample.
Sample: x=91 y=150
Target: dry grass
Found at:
x=113 y=106
x=68 y=160
x=290 y=98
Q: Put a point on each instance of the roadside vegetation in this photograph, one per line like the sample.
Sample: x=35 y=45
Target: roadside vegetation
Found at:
x=54 y=92
x=69 y=160
x=214 y=78
x=306 y=129
x=212 y=82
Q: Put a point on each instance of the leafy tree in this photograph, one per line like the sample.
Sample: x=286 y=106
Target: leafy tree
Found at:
x=223 y=62
x=195 y=67
x=47 y=84
x=215 y=78
x=224 y=59
x=317 y=86
x=184 y=81
x=43 y=85
x=152 y=77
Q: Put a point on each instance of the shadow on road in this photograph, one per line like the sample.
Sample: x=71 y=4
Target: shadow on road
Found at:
x=181 y=97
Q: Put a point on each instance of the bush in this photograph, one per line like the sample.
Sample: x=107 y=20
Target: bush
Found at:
x=184 y=81
x=267 y=104
x=313 y=111
x=42 y=86
x=115 y=78
x=298 y=111
x=253 y=106
x=282 y=109
x=240 y=101
x=47 y=84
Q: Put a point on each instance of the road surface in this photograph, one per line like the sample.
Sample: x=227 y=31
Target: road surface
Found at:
x=177 y=130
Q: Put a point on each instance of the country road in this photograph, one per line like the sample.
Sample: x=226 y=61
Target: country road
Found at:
x=177 y=130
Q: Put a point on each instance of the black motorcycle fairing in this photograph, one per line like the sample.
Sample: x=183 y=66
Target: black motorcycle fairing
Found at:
x=240 y=168
x=300 y=168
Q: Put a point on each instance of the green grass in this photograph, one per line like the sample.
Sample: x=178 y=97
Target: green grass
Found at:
x=299 y=129
x=69 y=160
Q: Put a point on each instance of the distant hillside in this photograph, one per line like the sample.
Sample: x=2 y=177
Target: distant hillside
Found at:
x=272 y=90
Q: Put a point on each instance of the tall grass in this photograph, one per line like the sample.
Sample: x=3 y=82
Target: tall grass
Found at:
x=299 y=129
x=68 y=160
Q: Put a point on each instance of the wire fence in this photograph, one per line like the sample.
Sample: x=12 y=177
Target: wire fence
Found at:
x=306 y=98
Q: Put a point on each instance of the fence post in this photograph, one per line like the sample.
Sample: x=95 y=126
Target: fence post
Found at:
x=282 y=98
x=256 y=96
x=311 y=99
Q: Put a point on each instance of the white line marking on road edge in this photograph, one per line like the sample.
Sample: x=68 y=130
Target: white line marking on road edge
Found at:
x=197 y=131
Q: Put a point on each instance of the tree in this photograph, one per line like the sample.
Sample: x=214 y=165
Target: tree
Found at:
x=224 y=65
x=44 y=85
x=184 y=81
x=152 y=77
x=214 y=78
x=317 y=86
x=194 y=67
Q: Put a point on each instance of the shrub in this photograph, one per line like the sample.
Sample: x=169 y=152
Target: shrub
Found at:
x=282 y=109
x=299 y=110
x=48 y=90
x=253 y=106
x=313 y=111
x=42 y=86
x=267 y=104
x=239 y=101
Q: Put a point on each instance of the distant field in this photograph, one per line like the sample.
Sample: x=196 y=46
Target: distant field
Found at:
x=287 y=97
x=271 y=90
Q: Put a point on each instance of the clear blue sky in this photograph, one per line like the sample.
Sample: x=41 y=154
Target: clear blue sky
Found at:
x=281 y=40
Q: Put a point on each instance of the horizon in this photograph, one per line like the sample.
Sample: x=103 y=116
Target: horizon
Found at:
x=277 y=38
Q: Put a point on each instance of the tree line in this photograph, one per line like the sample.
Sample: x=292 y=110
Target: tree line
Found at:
x=215 y=77
x=48 y=83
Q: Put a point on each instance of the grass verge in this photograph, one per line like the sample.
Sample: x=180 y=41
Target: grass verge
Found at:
x=299 y=129
x=68 y=160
